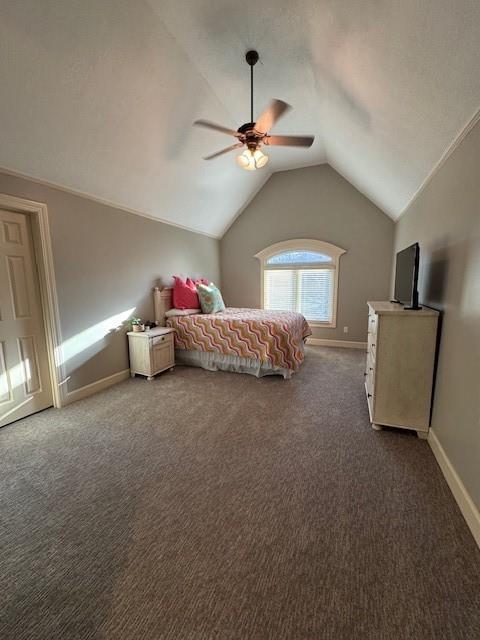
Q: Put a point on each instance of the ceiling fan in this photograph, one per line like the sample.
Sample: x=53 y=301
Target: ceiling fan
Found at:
x=253 y=135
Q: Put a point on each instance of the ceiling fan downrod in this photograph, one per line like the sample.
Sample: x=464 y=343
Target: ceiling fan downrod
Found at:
x=252 y=58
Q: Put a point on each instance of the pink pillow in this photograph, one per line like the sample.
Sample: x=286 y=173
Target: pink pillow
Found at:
x=185 y=293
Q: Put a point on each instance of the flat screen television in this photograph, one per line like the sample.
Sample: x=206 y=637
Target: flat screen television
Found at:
x=406 y=277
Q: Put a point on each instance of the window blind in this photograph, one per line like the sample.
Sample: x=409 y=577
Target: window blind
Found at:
x=307 y=291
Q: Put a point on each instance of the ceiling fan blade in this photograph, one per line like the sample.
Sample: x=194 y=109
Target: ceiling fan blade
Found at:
x=289 y=141
x=216 y=127
x=272 y=113
x=219 y=153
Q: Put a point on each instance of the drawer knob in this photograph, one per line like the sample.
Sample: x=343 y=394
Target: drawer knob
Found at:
x=369 y=395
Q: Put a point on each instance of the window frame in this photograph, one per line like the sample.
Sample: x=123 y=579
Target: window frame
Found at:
x=320 y=246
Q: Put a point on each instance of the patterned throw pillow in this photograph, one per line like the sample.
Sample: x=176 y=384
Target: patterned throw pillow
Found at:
x=210 y=297
x=185 y=292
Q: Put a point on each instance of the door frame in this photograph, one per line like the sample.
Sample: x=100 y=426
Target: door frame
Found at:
x=42 y=245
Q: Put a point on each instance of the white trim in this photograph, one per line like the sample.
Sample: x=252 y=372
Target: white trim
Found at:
x=459 y=138
x=95 y=387
x=48 y=289
x=468 y=508
x=301 y=244
x=321 y=325
x=108 y=203
x=457 y=141
x=392 y=216
x=307 y=165
x=326 y=342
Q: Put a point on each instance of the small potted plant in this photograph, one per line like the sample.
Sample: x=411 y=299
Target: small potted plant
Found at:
x=137 y=325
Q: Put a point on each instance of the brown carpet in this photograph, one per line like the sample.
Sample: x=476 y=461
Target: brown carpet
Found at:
x=217 y=506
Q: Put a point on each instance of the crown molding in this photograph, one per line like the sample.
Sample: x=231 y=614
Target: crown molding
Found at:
x=108 y=203
x=460 y=137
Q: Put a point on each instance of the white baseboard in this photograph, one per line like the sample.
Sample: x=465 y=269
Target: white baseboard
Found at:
x=95 y=387
x=461 y=495
x=324 y=342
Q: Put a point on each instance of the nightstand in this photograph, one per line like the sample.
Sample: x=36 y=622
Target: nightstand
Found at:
x=151 y=351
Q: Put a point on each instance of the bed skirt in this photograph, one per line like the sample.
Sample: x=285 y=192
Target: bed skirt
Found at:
x=218 y=362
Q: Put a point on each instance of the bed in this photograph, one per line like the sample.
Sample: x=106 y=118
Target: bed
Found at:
x=251 y=341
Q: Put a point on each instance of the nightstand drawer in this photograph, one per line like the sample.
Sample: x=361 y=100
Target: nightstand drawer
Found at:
x=162 y=339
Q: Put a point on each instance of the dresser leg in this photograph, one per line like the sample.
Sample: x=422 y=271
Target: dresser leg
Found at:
x=423 y=435
x=132 y=374
x=149 y=378
x=376 y=427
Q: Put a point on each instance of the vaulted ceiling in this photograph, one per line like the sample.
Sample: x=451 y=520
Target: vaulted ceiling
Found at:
x=99 y=97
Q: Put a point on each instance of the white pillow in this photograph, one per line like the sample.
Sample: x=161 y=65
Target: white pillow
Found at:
x=181 y=312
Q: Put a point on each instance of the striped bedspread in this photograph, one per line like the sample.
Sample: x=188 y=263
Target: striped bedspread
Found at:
x=273 y=337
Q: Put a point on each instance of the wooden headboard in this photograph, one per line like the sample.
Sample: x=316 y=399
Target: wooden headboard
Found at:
x=162 y=302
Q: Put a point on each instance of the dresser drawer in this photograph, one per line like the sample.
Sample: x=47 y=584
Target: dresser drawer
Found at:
x=372 y=323
x=370 y=364
x=370 y=393
x=372 y=343
x=370 y=382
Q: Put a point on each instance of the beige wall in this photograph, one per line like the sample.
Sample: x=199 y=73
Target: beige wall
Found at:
x=445 y=220
x=316 y=203
x=106 y=262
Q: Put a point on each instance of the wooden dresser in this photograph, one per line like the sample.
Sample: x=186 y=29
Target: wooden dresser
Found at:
x=400 y=366
x=151 y=351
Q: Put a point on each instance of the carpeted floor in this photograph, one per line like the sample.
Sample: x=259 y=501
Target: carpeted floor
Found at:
x=217 y=506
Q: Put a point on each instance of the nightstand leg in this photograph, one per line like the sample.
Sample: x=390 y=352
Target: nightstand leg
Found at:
x=377 y=427
x=423 y=435
x=149 y=378
x=132 y=374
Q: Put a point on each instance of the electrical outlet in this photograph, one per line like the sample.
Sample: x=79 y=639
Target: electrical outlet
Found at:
x=345 y=329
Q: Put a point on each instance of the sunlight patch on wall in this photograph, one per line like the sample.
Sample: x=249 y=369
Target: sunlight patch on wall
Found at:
x=85 y=339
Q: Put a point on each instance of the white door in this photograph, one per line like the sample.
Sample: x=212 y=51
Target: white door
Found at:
x=25 y=385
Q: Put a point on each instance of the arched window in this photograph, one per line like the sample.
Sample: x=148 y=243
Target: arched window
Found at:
x=301 y=275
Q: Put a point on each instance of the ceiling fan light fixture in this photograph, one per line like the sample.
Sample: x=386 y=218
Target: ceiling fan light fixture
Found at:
x=254 y=134
x=251 y=160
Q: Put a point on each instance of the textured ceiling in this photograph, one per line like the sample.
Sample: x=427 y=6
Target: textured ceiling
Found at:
x=99 y=97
